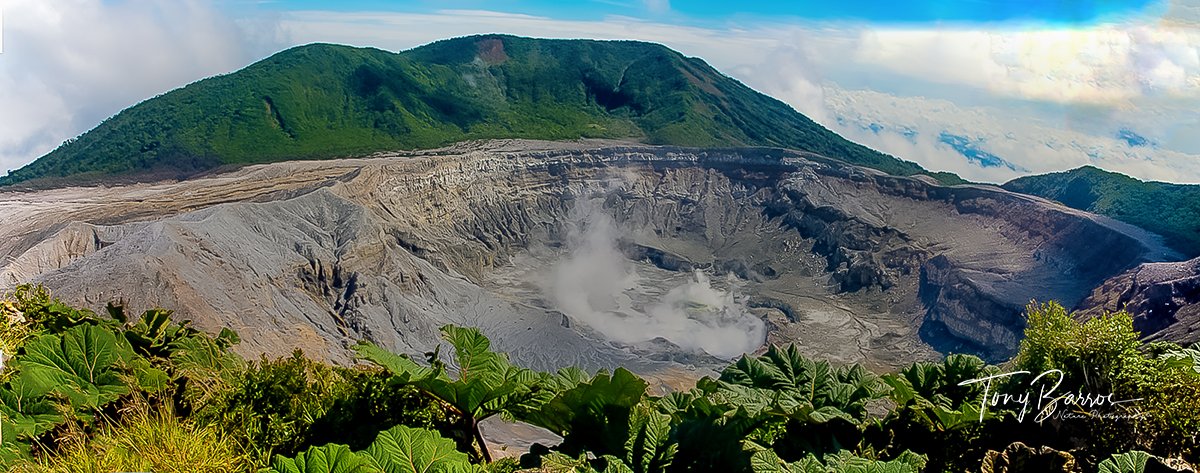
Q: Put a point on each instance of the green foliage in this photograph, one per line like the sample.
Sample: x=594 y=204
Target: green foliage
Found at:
x=1130 y=462
x=397 y=450
x=406 y=450
x=485 y=383
x=1187 y=359
x=283 y=406
x=74 y=367
x=558 y=462
x=71 y=384
x=610 y=418
x=649 y=447
x=321 y=101
x=815 y=388
x=1127 y=199
x=44 y=313
x=27 y=410
x=811 y=405
x=14 y=330
x=936 y=415
x=1100 y=352
x=1104 y=355
x=766 y=461
x=144 y=441
x=274 y=404
x=593 y=416
x=83 y=365
x=330 y=458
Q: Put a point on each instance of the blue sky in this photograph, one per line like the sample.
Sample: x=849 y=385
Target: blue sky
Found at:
x=987 y=89
x=876 y=11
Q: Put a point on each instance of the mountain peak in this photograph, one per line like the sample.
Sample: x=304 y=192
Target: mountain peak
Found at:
x=322 y=100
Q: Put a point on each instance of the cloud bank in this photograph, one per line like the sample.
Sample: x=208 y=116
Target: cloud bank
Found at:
x=68 y=64
x=913 y=127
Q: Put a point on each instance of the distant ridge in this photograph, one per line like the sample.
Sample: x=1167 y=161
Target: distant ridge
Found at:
x=321 y=101
x=1171 y=210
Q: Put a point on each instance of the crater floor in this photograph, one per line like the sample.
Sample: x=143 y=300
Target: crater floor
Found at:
x=598 y=254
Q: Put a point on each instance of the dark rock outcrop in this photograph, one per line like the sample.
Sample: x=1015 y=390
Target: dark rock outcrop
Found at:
x=1164 y=299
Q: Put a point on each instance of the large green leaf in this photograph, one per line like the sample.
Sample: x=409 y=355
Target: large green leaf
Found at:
x=766 y=461
x=82 y=365
x=486 y=383
x=401 y=366
x=593 y=416
x=649 y=447
x=473 y=353
x=201 y=355
x=933 y=392
x=780 y=398
x=400 y=449
x=25 y=412
x=615 y=465
x=324 y=459
x=846 y=462
x=610 y=418
x=1130 y=462
x=407 y=450
x=1186 y=358
x=805 y=381
x=558 y=462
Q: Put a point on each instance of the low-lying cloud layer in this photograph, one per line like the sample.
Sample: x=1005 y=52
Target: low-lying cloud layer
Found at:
x=595 y=284
x=917 y=127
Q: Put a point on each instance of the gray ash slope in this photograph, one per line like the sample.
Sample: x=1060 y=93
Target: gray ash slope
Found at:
x=850 y=263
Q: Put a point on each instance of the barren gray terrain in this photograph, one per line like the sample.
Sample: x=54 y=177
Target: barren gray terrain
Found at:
x=598 y=254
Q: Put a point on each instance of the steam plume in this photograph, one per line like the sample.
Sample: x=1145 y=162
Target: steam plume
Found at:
x=594 y=283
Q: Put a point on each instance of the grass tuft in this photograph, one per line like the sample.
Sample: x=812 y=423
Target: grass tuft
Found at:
x=146 y=441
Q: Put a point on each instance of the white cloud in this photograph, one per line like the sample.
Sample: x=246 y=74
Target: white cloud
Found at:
x=68 y=64
x=1107 y=64
x=1026 y=140
x=658 y=6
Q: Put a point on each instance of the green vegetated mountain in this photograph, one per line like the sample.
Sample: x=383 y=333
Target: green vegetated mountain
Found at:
x=1171 y=210
x=322 y=101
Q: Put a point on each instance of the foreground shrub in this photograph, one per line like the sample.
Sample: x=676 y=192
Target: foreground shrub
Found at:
x=1104 y=355
x=286 y=405
x=70 y=366
x=485 y=384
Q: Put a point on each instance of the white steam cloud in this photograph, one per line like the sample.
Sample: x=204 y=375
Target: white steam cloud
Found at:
x=596 y=285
